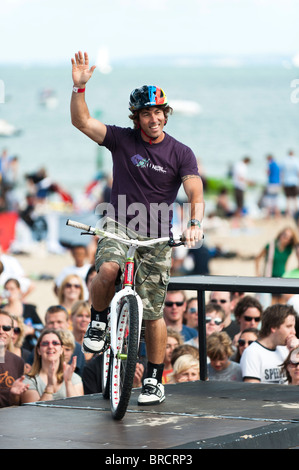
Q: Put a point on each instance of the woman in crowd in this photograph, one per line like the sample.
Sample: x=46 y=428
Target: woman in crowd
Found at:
x=248 y=336
x=174 y=339
x=50 y=377
x=80 y=318
x=290 y=367
x=15 y=306
x=17 y=340
x=185 y=369
x=70 y=291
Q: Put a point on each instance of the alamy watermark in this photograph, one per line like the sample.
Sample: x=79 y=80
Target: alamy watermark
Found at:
x=153 y=220
x=295 y=94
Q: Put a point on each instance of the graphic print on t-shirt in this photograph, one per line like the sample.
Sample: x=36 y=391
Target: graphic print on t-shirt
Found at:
x=141 y=162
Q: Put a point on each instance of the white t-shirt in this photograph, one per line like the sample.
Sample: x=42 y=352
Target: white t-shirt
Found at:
x=261 y=363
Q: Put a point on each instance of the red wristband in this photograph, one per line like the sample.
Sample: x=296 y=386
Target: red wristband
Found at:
x=78 y=90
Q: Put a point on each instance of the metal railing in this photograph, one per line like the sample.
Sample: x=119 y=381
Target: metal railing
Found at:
x=201 y=284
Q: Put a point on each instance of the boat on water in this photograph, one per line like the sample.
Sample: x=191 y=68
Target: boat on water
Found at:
x=8 y=130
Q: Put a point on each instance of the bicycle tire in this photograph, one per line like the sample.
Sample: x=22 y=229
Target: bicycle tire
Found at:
x=105 y=374
x=123 y=362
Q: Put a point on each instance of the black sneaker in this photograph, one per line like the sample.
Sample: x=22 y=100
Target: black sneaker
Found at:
x=95 y=337
x=152 y=392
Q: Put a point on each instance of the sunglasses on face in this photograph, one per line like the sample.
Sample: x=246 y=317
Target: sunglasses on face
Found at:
x=48 y=343
x=168 y=303
x=221 y=301
x=17 y=330
x=256 y=319
x=6 y=328
x=217 y=321
x=293 y=364
x=242 y=342
x=68 y=285
x=192 y=310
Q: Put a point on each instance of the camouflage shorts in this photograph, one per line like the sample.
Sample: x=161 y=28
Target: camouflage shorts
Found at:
x=152 y=275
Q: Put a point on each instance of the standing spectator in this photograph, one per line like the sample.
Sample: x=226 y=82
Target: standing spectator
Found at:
x=219 y=351
x=248 y=313
x=11 y=366
x=273 y=186
x=18 y=335
x=261 y=361
x=225 y=300
x=290 y=182
x=50 y=377
x=174 y=307
x=191 y=313
x=215 y=317
x=240 y=182
x=276 y=254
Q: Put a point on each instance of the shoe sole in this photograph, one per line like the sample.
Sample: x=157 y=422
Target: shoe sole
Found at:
x=157 y=402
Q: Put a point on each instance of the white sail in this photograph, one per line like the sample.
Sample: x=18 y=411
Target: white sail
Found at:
x=103 y=62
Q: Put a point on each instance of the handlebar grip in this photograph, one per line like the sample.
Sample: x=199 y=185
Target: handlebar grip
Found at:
x=75 y=224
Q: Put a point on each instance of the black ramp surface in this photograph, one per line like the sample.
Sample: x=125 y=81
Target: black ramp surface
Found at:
x=195 y=415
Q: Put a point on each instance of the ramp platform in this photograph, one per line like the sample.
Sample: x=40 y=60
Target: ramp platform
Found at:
x=195 y=415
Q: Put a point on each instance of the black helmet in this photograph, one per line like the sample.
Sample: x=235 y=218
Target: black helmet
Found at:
x=147 y=96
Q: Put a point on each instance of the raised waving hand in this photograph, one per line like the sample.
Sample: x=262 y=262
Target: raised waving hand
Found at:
x=81 y=72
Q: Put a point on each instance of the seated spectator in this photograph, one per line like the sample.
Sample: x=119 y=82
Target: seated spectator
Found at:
x=50 y=378
x=80 y=268
x=174 y=307
x=248 y=313
x=70 y=291
x=80 y=318
x=215 y=317
x=15 y=306
x=11 y=366
x=261 y=361
x=225 y=300
x=219 y=350
x=174 y=339
x=68 y=344
x=248 y=336
x=290 y=367
x=191 y=313
x=18 y=335
x=185 y=369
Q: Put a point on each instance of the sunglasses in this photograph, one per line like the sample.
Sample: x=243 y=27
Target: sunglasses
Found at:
x=6 y=328
x=68 y=285
x=17 y=330
x=48 y=343
x=256 y=319
x=217 y=321
x=192 y=310
x=221 y=301
x=293 y=364
x=242 y=342
x=168 y=303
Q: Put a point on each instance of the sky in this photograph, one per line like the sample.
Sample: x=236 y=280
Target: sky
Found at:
x=51 y=31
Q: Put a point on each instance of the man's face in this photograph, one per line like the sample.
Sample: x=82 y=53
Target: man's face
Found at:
x=223 y=299
x=56 y=321
x=174 y=307
x=152 y=121
x=5 y=324
x=286 y=330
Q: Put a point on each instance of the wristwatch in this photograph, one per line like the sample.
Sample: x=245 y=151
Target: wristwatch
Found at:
x=193 y=223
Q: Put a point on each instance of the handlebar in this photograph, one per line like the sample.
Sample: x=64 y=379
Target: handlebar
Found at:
x=133 y=242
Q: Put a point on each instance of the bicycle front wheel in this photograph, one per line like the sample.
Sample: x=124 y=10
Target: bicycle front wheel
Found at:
x=123 y=360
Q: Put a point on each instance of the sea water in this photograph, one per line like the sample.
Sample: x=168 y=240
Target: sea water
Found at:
x=243 y=111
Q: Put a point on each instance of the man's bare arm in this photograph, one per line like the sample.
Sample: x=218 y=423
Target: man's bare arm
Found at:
x=81 y=119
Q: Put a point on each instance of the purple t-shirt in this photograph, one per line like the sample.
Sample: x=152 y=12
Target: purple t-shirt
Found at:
x=145 y=176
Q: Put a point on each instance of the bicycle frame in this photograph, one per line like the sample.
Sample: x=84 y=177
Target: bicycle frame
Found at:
x=127 y=289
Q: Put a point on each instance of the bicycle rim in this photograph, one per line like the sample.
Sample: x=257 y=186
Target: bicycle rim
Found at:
x=123 y=362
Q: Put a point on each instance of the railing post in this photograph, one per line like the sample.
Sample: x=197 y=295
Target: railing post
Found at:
x=201 y=309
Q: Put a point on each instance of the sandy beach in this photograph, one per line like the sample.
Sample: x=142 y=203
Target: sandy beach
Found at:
x=246 y=239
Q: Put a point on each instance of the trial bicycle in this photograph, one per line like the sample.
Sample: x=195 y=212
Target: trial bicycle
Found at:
x=124 y=325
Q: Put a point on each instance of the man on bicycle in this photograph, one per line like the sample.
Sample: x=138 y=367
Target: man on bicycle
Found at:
x=148 y=169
